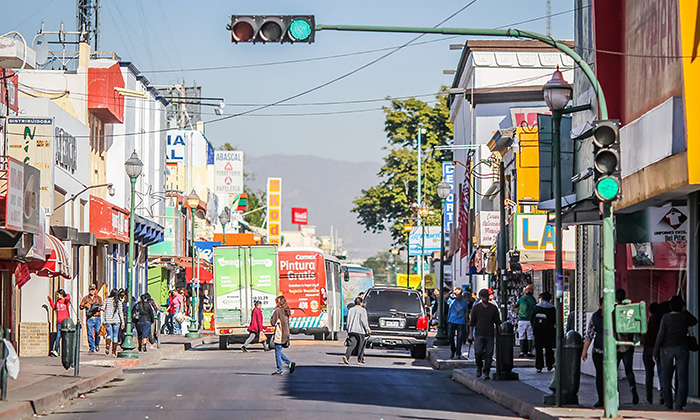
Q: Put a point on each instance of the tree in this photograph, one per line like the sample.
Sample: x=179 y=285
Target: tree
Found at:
x=227 y=147
x=390 y=203
x=384 y=266
x=256 y=199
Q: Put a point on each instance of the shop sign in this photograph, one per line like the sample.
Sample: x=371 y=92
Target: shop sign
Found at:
x=532 y=233
x=205 y=249
x=448 y=175
x=14 y=203
x=300 y=216
x=66 y=152
x=228 y=172
x=654 y=224
x=488 y=224
x=108 y=221
x=29 y=140
x=429 y=243
x=31 y=206
x=274 y=210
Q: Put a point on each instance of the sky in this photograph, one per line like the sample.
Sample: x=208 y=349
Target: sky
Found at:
x=174 y=40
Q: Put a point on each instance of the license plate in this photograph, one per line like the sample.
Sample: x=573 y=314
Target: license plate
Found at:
x=390 y=323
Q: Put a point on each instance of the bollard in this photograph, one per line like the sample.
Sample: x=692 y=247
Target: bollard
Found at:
x=67 y=343
x=76 y=362
x=3 y=368
x=505 y=341
x=158 y=330
x=571 y=350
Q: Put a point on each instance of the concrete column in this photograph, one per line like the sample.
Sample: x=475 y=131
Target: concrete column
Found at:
x=692 y=301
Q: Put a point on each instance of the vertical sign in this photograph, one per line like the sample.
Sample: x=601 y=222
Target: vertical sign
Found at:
x=448 y=175
x=274 y=210
x=14 y=210
x=228 y=175
x=177 y=145
x=29 y=140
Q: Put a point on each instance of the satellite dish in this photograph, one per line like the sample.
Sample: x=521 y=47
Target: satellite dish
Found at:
x=41 y=48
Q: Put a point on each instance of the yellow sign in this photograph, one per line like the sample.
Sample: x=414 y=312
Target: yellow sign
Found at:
x=415 y=282
x=274 y=210
x=690 y=27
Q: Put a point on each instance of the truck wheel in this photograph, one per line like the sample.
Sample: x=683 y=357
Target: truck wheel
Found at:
x=418 y=351
x=223 y=342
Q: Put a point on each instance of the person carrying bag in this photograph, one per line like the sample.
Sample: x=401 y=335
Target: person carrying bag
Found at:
x=280 y=319
x=256 y=328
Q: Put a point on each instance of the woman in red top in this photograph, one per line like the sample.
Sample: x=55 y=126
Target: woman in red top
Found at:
x=62 y=312
x=255 y=328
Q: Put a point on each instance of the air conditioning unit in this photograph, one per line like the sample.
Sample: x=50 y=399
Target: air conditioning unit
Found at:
x=12 y=54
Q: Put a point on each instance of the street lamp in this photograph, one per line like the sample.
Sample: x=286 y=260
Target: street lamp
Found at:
x=224 y=218
x=443 y=191
x=192 y=202
x=133 y=167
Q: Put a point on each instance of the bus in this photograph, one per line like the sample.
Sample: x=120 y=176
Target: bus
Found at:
x=310 y=281
x=359 y=279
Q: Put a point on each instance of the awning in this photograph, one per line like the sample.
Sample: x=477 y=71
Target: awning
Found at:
x=205 y=276
x=57 y=261
x=545 y=260
x=147 y=232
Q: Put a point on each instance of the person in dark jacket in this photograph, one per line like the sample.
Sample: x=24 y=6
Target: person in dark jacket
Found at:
x=648 y=342
x=280 y=320
x=483 y=320
x=543 y=321
x=671 y=349
x=255 y=327
x=594 y=335
x=143 y=318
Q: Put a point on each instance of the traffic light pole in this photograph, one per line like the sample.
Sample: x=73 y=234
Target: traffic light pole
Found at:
x=610 y=383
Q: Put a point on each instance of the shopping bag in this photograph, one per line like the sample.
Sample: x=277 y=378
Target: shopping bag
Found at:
x=262 y=337
x=103 y=331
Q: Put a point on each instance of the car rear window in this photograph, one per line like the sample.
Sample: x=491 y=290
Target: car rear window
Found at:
x=399 y=300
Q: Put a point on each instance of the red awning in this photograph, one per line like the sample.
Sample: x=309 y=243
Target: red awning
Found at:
x=546 y=265
x=540 y=261
x=205 y=276
x=57 y=261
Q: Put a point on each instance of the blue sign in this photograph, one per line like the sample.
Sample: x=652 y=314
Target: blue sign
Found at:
x=205 y=249
x=430 y=243
x=448 y=175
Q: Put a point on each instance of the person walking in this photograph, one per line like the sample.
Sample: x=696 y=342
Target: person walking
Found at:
x=61 y=307
x=280 y=320
x=142 y=317
x=594 y=335
x=178 y=308
x=483 y=319
x=358 y=329
x=671 y=349
x=648 y=343
x=92 y=304
x=525 y=305
x=255 y=328
x=543 y=321
x=113 y=319
x=457 y=316
x=625 y=353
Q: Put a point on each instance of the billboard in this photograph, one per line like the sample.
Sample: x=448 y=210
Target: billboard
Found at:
x=274 y=210
x=29 y=140
x=228 y=172
x=300 y=216
x=430 y=243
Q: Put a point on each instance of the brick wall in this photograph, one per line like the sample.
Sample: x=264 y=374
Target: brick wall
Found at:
x=33 y=339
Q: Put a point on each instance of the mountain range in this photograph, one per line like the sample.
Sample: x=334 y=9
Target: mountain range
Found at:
x=327 y=187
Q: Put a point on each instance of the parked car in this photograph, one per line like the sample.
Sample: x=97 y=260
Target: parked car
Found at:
x=397 y=318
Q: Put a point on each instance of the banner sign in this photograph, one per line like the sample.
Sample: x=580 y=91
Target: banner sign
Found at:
x=448 y=175
x=14 y=202
x=532 y=233
x=205 y=249
x=415 y=282
x=30 y=141
x=300 y=216
x=654 y=224
x=274 y=210
x=228 y=172
x=429 y=244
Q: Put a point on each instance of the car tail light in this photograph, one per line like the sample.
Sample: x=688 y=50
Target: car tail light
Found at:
x=422 y=323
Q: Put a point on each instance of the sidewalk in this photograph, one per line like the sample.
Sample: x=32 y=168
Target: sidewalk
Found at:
x=439 y=358
x=525 y=397
x=43 y=384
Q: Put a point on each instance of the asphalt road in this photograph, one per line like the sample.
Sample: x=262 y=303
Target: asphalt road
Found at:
x=207 y=383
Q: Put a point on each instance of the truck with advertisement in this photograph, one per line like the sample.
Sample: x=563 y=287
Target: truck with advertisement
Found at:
x=358 y=280
x=242 y=275
x=311 y=282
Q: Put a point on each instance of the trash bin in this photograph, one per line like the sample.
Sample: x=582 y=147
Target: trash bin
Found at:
x=571 y=350
x=68 y=337
x=505 y=341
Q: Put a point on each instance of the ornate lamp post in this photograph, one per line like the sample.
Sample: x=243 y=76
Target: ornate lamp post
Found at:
x=133 y=167
x=192 y=203
x=224 y=218
x=443 y=191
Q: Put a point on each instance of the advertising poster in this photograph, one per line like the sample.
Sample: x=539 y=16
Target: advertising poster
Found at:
x=263 y=270
x=229 y=284
x=274 y=210
x=29 y=140
x=302 y=281
x=430 y=244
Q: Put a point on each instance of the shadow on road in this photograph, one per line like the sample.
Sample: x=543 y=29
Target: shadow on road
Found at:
x=380 y=386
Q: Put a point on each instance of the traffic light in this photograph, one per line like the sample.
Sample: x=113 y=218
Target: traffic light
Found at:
x=277 y=29
x=606 y=161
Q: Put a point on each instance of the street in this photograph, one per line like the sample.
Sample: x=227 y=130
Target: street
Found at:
x=209 y=383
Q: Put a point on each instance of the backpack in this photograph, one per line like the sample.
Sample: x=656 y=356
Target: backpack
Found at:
x=525 y=308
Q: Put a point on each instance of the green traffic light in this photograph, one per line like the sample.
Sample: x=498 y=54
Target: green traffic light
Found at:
x=300 y=30
x=607 y=188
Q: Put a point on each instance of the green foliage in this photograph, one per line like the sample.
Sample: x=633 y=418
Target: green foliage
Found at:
x=256 y=199
x=384 y=265
x=389 y=204
x=227 y=147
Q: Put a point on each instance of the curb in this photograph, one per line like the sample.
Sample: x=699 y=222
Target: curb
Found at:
x=516 y=405
x=448 y=364
x=13 y=410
